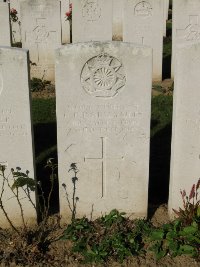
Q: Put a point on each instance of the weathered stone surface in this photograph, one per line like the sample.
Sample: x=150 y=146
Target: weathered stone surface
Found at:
x=186 y=25
x=91 y=20
x=143 y=24
x=41 y=34
x=103 y=93
x=185 y=152
x=15 y=128
x=5 y=33
x=166 y=8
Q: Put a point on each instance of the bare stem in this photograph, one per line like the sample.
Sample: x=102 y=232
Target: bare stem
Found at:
x=2 y=207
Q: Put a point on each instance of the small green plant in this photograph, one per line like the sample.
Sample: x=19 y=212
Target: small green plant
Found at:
x=191 y=206
x=30 y=243
x=15 y=19
x=111 y=236
x=72 y=206
x=14 y=15
x=175 y=239
x=183 y=235
x=15 y=181
x=68 y=14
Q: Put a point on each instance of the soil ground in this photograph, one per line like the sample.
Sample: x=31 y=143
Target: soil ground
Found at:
x=59 y=253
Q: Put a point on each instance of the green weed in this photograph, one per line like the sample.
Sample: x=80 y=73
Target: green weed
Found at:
x=44 y=110
x=175 y=239
x=111 y=236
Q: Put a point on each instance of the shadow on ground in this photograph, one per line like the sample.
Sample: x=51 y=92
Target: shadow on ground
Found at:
x=159 y=171
x=45 y=135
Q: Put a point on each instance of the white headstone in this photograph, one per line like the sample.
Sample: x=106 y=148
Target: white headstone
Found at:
x=15 y=128
x=5 y=33
x=143 y=24
x=16 y=28
x=91 y=20
x=65 y=22
x=166 y=9
x=118 y=20
x=103 y=93
x=41 y=34
x=186 y=25
x=185 y=155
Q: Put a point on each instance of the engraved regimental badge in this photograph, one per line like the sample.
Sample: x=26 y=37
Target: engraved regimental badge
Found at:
x=143 y=9
x=103 y=76
x=91 y=10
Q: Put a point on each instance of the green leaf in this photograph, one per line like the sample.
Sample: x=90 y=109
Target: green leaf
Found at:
x=132 y=240
x=189 y=230
x=198 y=211
x=160 y=254
x=24 y=180
x=171 y=235
x=167 y=227
x=187 y=249
x=103 y=253
x=177 y=223
x=79 y=227
x=19 y=174
x=173 y=246
x=157 y=235
x=195 y=225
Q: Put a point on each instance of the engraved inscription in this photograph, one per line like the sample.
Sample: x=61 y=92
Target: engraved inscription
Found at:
x=192 y=31
x=118 y=120
x=41 y=10
x=103 y=76
x=91 y=10
x=1 y=79
x=103 y=159
x=143 y=9
x=9 y=126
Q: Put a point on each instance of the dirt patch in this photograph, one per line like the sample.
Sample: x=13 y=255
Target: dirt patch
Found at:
x=45 y=94
x=163 y=88
x=59 y=253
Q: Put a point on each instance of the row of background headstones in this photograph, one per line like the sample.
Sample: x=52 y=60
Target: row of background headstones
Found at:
x=124 y=117
x=184 y=166
x=117 y=20
x=103 y=26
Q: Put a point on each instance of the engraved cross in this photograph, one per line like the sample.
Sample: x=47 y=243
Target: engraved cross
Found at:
x=103 y=159
x=40 y=35
x=192 y=31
